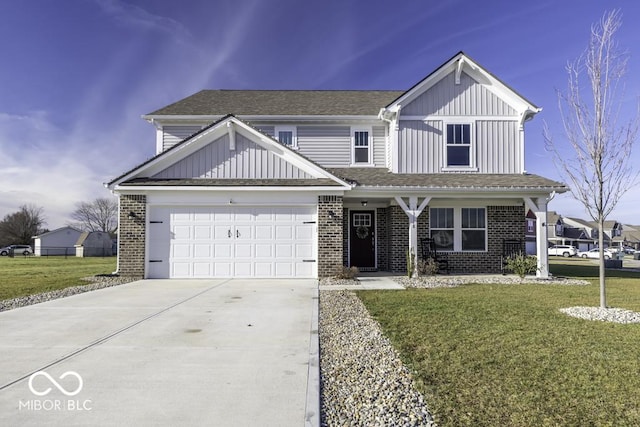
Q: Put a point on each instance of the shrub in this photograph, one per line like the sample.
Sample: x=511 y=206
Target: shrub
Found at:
x=427 y=267
x=348 y=273
x=522 y=265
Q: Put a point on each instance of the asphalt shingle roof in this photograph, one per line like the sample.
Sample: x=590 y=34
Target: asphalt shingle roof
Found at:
x=206 y=182
x=281 y=102
x=381 y=177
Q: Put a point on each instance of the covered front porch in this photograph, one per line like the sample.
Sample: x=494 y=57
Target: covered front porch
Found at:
x=380 y=231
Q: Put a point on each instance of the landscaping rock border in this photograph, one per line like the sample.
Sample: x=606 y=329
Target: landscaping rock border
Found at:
x=97 y=282
x=363 y=380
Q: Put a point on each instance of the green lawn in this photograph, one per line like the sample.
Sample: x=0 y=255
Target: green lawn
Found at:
x=498 y=355
x=22 y=276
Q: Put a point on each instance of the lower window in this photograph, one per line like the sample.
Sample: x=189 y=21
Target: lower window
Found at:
x=458 y=229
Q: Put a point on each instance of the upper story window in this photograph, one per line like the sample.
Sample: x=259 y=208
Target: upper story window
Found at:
x=361 y=146
x=287 y=136
x=460 y=148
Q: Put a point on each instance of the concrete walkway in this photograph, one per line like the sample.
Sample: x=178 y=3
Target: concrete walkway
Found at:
x=164 y=352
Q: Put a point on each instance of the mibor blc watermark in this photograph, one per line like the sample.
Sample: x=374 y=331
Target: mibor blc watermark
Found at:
x=53 y=401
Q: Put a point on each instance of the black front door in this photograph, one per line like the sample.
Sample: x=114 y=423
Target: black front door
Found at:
x=362 y=250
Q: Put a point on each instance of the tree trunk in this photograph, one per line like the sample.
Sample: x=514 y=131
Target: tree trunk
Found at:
x=603 y=296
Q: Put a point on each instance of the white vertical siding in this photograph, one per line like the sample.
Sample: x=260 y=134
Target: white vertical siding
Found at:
x=216 y=160
x=469 y=98
x=329 y=146
x=171 y=135
x=420 y=146
x=498 y=148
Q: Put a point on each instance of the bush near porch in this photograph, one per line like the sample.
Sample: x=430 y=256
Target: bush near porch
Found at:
x=487 y=355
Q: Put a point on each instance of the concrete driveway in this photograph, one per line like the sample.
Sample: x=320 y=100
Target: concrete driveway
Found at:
x=164 y=352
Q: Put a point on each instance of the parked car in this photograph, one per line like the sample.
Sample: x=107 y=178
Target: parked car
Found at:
x=595 y=253
x=17 y=250
x=563 y=250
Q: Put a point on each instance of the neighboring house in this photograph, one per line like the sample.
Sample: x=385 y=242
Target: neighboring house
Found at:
x=271 y=183
x=93 y=244
x=530 y=233
x=57 y=242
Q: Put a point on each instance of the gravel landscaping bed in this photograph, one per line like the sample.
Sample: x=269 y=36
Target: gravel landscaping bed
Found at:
x=446 y=281
x=363 y=381
x=96 y=282
x=616 y=315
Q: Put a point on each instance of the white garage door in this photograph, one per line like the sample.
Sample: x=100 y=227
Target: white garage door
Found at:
x=204 y=242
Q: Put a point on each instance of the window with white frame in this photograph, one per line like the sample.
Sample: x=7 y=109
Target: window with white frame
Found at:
x=459 y=153
x=474 y=229
x=458 y=229
x=286 y=135
x=361 y=146
x=442 y=228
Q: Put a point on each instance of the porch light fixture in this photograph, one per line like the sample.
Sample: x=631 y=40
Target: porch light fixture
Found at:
x=332 y=214
x=132 y=216
x=364 y=203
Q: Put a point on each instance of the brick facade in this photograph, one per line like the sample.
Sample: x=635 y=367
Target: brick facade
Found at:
x=382 y=236
x=131 y=235
x=330 y=235
x=503 y=222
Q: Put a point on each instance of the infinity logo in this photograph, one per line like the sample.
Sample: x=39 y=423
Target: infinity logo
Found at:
x=55 y=383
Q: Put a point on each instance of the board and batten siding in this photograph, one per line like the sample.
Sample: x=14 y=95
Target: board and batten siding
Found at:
x=498 y=149
x=217 y=160
x=422 y=146
x=469 y=98
x=171 y=135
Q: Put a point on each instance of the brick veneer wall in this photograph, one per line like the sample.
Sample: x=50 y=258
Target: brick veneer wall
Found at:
x=330 y=238
x=131 y=235
x=382 y=238
x=345 y=236
x=503 y=222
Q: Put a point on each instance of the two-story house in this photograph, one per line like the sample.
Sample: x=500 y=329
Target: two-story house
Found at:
x=287 y=183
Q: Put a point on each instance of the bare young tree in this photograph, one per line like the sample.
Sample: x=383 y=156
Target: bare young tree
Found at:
x=99 y=215
x=19 y=227
x=598 y=164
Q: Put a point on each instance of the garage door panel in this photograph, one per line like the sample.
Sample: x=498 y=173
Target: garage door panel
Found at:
x=264 y=251
x=222 y=232
x=304 y=251
x=284 y=250
x=264 y=232
x=181 y=269
x=263 y=269
x=284 y=269
x=284 y=232
x=233 y=241
x=243 y=269
x=224 y=251
x=243 y=250
x=222 y=269
x=181 y=251
x=202 y=269
x=202 y=232
x=181 y=232
x=202 y=251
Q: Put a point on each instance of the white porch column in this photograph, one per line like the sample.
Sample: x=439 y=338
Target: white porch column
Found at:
x=413 y=211
x=539 y=208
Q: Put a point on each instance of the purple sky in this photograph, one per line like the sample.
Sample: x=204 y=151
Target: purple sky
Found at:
x=77 y=75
